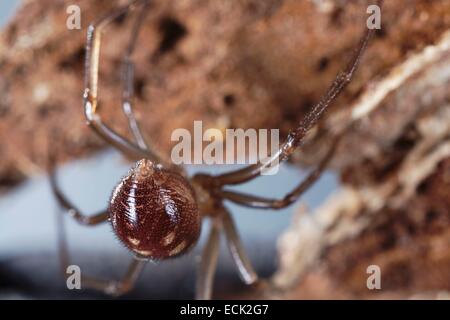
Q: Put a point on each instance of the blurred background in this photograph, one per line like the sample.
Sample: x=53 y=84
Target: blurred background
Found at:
x=237 y=64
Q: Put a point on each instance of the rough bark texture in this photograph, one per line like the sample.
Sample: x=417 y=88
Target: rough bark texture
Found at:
x=394 y=208
x=241 y=64
x=262 y=64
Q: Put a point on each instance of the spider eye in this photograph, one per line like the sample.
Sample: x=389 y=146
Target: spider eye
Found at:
x=154 y=212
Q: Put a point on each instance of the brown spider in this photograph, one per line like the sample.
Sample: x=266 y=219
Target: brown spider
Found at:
x=156 y=210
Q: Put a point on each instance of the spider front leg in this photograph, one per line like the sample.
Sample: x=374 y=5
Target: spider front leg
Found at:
x=252 y=201
x=135 y=151
x=128 y=78
x=297 y=135
x=92 y=57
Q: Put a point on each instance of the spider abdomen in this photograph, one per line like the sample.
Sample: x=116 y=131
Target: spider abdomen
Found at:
x=154 y=212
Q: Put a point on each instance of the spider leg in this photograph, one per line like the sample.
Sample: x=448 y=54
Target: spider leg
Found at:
x=114 y=287
x=265 y=203
x=128 y=93
x=296 y=136
x=128 y=77
x=91 y=89
x=242 y=262
x=111 y=287
x=208 y=263
x=87 y=220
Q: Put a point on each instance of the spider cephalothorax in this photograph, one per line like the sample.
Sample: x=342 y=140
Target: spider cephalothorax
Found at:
x=154 y=210
x=154 y=213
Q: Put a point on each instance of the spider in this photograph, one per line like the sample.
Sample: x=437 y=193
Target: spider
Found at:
x=156 y=210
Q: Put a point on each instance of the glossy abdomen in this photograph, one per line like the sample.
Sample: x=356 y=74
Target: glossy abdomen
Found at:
x=154 y=212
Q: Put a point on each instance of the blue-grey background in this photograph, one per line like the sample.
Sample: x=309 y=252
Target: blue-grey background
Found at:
x=7 y=8
x=28 y=234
